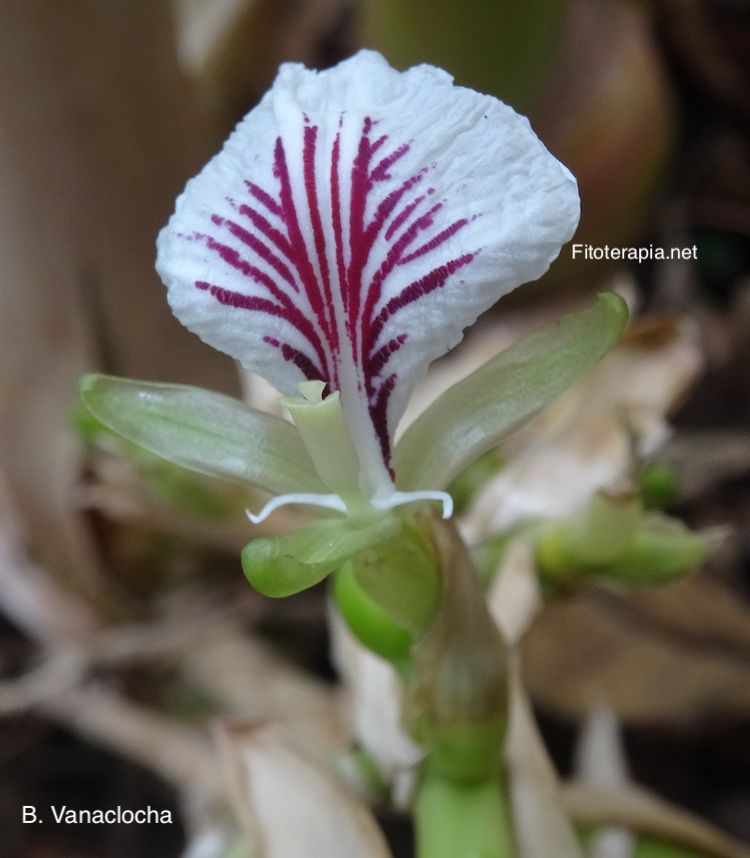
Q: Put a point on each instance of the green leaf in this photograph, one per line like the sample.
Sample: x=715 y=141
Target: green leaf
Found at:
x=288 y=563
x=477 y=413
x=203 y=431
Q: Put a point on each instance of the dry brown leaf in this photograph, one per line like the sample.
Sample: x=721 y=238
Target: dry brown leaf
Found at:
x=514 y=597
x=290 y=804
x=179 y=754
x=671 y=654
x=639 y=810
x=256 y=684
x=705 y=459
x=30 y=597
x=232 y=48
x=96 y=138
x=607 y=86
x=541 y=825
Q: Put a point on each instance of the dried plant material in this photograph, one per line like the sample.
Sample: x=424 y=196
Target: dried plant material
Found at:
x=608 y=85
x=514 y=597
x=231 y=48
x=542 y=827
x=374 y=698
x=175 y=752
x=254 y=683
x=29 y=596
x=639 y=810
x=600 y=762
x=600 y=754
x=57 y=674
x=289 y=803
x=202 y=28
x=705 y=459
x=75 y=92
x=259 y=393
x=478 y=347
x=116 y=488
x=216 y=842
x=584 y=441
x=667 y=655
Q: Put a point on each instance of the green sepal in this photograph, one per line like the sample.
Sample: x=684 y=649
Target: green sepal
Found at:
x=288 y=563
x=203 y=431
x=475 y=414
x=182 y=490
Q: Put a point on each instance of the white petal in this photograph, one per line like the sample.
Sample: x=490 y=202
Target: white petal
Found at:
x=354 y=224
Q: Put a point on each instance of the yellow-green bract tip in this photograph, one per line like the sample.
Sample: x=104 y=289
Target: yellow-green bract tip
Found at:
x=617 y=304
x=86 y=382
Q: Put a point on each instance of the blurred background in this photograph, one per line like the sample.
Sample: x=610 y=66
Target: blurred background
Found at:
x=125 y=624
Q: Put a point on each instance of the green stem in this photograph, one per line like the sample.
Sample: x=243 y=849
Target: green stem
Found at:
x=462 y=819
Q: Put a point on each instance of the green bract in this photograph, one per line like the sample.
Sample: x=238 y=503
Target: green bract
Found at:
x=477 y=413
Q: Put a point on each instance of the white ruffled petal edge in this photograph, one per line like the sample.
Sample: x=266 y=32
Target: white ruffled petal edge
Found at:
x=355 y=223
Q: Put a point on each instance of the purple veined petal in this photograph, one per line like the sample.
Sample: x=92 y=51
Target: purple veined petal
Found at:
x=354 y=224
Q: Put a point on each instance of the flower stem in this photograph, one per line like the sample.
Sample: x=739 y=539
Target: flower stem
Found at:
x=461 y=819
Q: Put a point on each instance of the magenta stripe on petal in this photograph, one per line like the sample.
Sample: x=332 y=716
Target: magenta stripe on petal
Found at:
x=291 y=243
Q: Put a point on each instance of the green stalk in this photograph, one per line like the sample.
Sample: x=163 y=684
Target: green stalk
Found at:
x=462 y=819
x=431 y=621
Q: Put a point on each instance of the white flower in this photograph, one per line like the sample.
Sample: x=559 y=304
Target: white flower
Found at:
x=354 y=224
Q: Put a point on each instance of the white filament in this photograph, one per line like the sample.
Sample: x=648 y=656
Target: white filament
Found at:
x=325 y=501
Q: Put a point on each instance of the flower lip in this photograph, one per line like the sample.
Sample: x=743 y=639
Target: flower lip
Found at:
x=324 y=432
x=355 y=222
